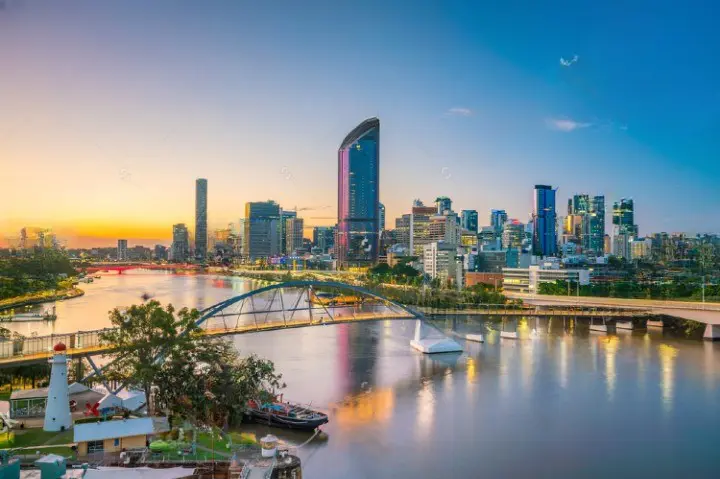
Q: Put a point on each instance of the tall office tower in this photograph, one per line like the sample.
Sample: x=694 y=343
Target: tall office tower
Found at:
x=381 y=216
x=262 y=230
x=544 y=222
x=443 y=204
x=358 y=196
x=284 y=216
x=180 y=248
x=324 y=237
x=595 y=229
x=293 y=235
x=201 y=234
x=624 y=217
x=122 y=250
x=498 y=218
x=469 y=220
x=444 y=228
x=419 y=234
x=160 y=252
x=585 y=223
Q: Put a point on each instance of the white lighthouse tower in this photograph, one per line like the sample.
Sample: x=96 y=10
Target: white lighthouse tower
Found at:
x=57 y=411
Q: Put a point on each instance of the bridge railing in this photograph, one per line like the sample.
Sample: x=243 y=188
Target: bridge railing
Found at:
x=33 y=345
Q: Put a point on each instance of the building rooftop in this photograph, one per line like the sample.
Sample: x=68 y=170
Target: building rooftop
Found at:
x=29 y=394
x=98 y=431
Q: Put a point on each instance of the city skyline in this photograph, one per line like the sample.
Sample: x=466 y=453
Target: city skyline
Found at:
x=113 y=155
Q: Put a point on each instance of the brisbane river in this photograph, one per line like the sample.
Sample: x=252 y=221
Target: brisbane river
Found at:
x=567 y=403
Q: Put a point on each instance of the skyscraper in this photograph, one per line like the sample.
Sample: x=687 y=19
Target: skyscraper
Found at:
x=293 y=234
x=419 y=234
x=469 y=220
x=624 y=217
x=181 y=243
x=262 y=230
x=122 y=251
x=201 y=236
x=585 y=223
x=358 y=196
x=544 y=227
x=284 y=216
x=497 y=220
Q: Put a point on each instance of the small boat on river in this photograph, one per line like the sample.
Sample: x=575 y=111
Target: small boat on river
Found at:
x=285 y=414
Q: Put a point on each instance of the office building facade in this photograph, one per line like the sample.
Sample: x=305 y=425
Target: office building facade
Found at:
x=180 y=249
x=262 y=230
x=544 y=240
x=469 y=220
x=201 y=233
x=293 y=235
x=358 y=225
x=498 y=218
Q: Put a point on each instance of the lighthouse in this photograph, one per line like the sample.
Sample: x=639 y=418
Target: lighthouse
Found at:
x=57 y=411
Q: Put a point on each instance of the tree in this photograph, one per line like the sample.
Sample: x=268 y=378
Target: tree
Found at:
x=144 y=334
x=212 y=384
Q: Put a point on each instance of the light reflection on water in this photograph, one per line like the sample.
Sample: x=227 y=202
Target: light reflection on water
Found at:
x=565 y=404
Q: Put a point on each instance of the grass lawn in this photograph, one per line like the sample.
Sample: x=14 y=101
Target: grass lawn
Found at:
x=31 y=437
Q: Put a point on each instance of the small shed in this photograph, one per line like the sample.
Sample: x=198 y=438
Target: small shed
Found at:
x=112 y=436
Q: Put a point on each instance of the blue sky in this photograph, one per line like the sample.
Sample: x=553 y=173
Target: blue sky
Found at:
x=132 y=101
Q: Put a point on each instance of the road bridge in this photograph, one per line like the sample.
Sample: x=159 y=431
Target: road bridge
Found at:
x=707 y=313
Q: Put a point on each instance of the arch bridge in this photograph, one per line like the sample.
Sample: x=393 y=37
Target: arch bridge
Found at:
x=293 y=304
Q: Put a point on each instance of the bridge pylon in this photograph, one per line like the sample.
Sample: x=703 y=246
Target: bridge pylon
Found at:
x=430 y=340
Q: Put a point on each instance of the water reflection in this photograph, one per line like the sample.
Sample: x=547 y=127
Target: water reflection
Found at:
x=425 y=409
x=668 y=355
x=610 y=344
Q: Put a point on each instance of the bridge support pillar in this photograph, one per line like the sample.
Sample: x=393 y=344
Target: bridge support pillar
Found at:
x=429 y=340
x=712 y=332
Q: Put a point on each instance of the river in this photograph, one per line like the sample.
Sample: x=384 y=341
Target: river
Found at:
x=566 y=404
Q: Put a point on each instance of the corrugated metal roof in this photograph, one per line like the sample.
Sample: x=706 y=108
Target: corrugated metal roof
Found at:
x=97 y=431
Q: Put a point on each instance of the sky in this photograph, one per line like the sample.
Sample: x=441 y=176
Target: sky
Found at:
x=109 y=111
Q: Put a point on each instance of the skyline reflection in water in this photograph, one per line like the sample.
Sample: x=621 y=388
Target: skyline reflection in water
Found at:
x=570 y=395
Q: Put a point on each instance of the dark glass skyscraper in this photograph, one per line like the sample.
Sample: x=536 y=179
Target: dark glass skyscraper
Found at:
x=498 y=219
x=624 y=217
x=469 y=220
x=544 y=222
x=201 y=236
x=358 y=196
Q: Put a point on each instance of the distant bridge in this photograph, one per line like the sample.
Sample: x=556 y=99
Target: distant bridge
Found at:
x=120 y=267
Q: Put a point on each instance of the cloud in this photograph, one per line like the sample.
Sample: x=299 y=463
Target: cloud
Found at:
x=565 y=124
x=459 y=111
x=567 y=63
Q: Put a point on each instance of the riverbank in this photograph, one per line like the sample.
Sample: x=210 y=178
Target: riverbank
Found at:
x=40 y=297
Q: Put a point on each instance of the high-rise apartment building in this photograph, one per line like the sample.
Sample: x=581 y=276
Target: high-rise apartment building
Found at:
x=544 y=221
x=293 y=235
x=201 y=233
x=180 y=248
x=469 y=220
x=358 y=226
x=261 y=238
x=122 y=250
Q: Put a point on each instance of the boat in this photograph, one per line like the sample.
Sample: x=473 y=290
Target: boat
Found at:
x=285 y=414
